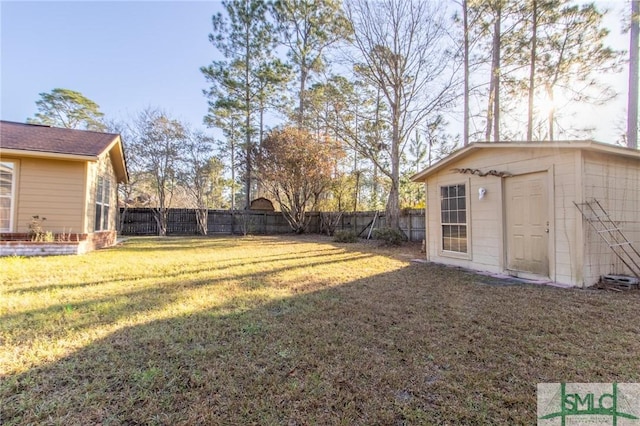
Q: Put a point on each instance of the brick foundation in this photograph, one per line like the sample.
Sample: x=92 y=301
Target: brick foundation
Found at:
x=98 y=240
x=32 y=248
x=18 y=244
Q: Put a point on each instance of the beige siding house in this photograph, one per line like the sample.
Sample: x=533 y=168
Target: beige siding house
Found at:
x=67 y=176
x=508 y=208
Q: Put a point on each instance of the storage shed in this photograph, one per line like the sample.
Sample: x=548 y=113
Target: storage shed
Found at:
x=515 y=208
x=262 y=204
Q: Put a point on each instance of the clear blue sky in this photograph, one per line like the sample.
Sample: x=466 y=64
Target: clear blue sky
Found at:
x=127 y=55
x=122 y=55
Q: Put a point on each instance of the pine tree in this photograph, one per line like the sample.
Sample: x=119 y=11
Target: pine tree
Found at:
x=309 y=28
x=70 y=109
x=246 y=38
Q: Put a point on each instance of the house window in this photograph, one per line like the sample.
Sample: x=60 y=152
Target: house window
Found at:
x=103 y=195
x=453 y=210
x=7 y=195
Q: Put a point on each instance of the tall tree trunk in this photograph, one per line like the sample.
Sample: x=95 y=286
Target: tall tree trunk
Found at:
x=247 y=124
x=392 y=212
x=551 y=114
x=259 y=189
x=532 y=69
x=202 y=214
x=160 y=214
x=303 y=84
x=375 y=188
x=488 y=130
x=233 y=168
x=376 y=199
x=249 y=166
x=248 y=150
x=357 y=191
x=496 y=74
x=632 y=107
x=355 y=163
x=493 y=104
x=465 y=24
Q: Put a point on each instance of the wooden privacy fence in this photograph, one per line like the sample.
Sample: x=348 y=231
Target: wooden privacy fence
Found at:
x=141 y=221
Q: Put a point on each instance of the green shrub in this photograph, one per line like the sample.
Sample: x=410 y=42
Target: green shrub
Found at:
x=390 y=236
x=344 y=236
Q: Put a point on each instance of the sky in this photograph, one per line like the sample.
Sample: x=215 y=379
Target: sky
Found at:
x=126 y=56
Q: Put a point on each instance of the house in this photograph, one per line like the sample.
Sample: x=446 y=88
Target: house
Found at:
x=513 y=208
x=67 y=176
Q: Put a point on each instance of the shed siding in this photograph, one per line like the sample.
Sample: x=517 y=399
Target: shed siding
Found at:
x=486 y=233
x=615 y=183
x=568 y=263
x=53 y=189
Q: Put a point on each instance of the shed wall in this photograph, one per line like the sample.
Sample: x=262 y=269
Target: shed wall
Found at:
x=615 y=183
x=486 y=216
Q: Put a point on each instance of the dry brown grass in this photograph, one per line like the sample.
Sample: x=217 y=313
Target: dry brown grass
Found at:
x=292 y=331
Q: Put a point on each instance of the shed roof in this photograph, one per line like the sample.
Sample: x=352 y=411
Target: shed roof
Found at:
x=503 y=146
x=55 y=142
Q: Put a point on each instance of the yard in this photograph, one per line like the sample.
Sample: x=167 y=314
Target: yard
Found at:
x=294 y=331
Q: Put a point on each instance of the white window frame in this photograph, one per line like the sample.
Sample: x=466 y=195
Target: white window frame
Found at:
x=103 y=199
x=12 y=195
x=447 y=252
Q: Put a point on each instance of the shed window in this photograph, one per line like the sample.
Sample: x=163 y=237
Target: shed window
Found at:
x=453 y=210
x=7 y=195
x=103 y=195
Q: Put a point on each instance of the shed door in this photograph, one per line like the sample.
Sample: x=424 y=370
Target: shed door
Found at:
x=527 y=223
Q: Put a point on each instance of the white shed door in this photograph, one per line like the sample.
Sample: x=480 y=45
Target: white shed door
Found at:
x=527 y=223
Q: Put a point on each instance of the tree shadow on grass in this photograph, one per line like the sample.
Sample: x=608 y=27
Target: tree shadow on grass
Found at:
x=85 y=315
x=325 y=254
x=198 y=242
x=419 y=345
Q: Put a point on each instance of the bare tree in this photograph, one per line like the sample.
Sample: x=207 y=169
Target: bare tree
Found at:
x=403 y=49
x=201 y=174
x=158 y=143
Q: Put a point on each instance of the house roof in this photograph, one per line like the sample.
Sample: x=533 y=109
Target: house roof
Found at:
x=498 y=147
x=54 y=142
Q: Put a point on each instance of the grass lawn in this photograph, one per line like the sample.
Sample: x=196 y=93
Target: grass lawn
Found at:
x=291 y=331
